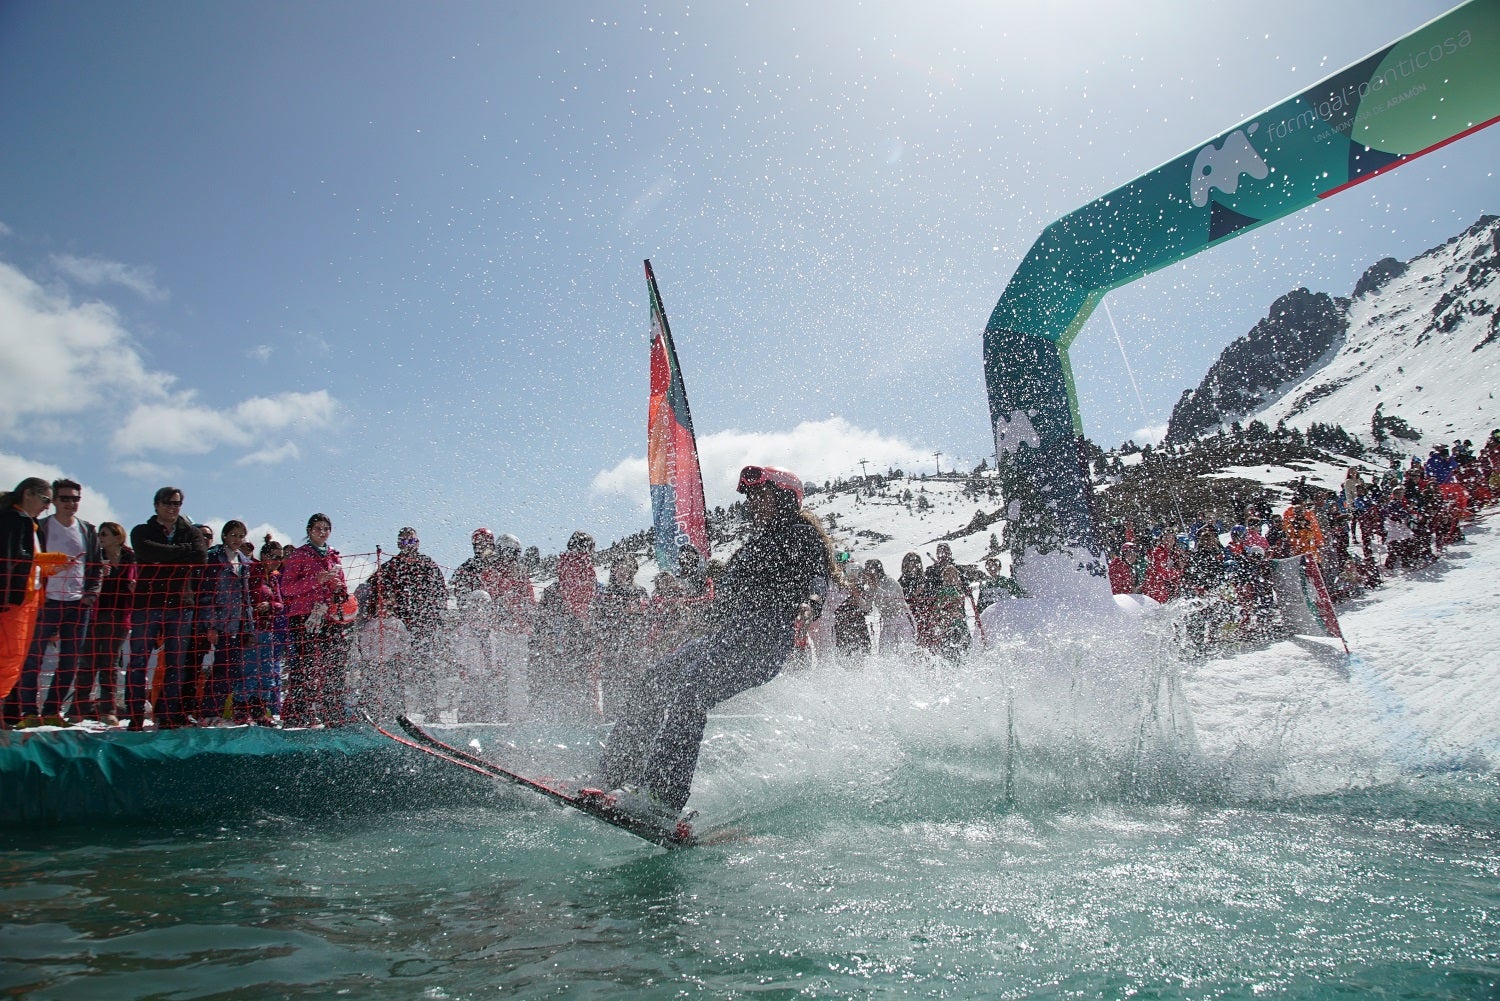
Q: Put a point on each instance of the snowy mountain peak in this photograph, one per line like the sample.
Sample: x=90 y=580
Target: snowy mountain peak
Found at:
x=1417 y=341
x=1297 y=336
x=1421 y=344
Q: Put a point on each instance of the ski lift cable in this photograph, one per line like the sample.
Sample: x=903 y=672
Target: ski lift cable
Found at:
x=1145 y=420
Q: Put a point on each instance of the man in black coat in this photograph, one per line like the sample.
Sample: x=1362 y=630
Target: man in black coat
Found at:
x=171 y=552
x=411 y=587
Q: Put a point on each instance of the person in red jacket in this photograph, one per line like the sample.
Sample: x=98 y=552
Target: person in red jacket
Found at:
x=1126 y=571
x=263 y=659
x=1163 y=574
x=109 y=632
x=563 y=670
x=316 y=597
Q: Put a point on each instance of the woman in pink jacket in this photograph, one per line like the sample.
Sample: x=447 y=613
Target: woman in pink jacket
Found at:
x=315 y=595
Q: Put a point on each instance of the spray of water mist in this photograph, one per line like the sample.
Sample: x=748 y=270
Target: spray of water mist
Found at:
x=1074 y=703
x=904 y=737
x=1060 y=720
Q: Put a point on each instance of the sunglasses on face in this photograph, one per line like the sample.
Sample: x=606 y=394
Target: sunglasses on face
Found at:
x=175 y=503
x=404 y=543
x=70 y=499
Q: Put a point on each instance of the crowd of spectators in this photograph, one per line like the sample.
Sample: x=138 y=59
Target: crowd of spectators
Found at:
x=928 y=607
x=164 y=626
x=1395 y=522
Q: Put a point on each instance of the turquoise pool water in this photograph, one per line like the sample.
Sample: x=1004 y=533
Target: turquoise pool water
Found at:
x=949 y=848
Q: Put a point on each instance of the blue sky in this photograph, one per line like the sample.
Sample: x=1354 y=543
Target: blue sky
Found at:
x=384 y=260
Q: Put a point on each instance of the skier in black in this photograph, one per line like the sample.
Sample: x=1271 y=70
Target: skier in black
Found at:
x=776 y=579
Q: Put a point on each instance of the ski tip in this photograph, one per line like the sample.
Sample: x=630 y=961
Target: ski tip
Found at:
x=678 y=835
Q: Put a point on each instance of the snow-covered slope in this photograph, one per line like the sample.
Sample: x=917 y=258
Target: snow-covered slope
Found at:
x=1425 y=347
x=1417 y=692
x=907 y=515
x=886 y=518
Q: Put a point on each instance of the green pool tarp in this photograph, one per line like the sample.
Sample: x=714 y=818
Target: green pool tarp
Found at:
x=51 y=777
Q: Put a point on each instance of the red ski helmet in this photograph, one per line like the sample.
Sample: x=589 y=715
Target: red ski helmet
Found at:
x=782 y=479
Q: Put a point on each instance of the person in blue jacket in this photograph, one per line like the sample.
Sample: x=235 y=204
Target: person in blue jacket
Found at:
x=778 y=578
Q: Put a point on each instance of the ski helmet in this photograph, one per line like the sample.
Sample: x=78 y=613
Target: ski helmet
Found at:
x=509 y=545
x=782 y=479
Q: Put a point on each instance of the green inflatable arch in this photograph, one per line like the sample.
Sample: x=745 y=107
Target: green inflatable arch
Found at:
x=1435 y=85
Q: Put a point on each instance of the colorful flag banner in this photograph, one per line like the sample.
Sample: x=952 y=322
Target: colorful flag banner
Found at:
x=677 y=506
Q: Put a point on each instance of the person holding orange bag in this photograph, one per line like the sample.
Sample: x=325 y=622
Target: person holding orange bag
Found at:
x=23 y=564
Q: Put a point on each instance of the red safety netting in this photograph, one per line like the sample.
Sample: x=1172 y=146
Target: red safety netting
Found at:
x=312 y=639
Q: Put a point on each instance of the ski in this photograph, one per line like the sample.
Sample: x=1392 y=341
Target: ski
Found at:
x=595 y=802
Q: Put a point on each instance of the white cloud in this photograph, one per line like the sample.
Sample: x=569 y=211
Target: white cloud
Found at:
x=140 y=469
x=59 y=357
x=70 y=368
x=296 y=410
x=184 y=426
x=271 y=455
x=98 y=271
x=1152 y=435
x=261 y=352
x=5 y=230
x=259 y=532
x=96 y=507
x=814 y=450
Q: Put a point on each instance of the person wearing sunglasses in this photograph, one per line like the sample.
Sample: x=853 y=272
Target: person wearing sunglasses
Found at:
x=171 y=553
x=19 y=590
x=412 y=587
x=775 y=582
x=71 y=595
